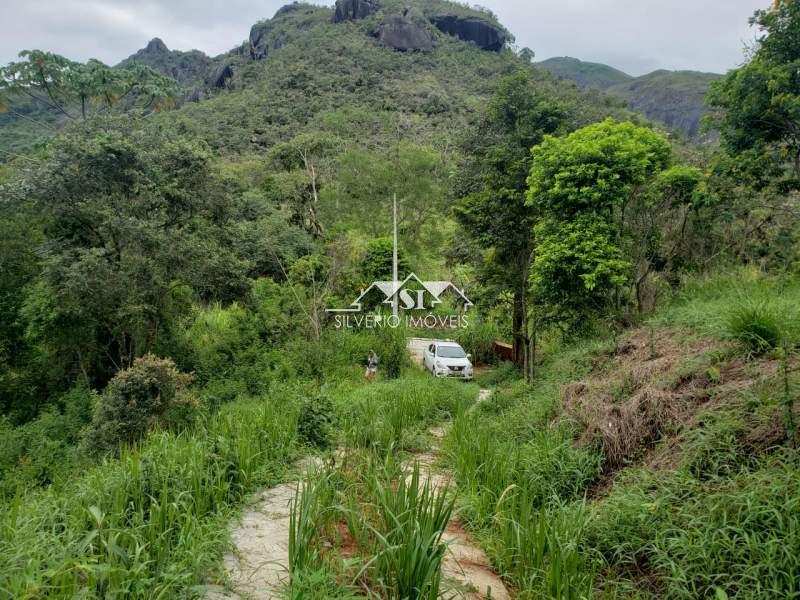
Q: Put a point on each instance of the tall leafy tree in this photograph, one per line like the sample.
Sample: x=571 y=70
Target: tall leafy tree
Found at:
x=132 y=219
x=758 y=115
x=78 y=90
x=585 y=188
x=20 y=236
x=494 y=212
x=367 y=182
x=759 y=103
x=304 y=166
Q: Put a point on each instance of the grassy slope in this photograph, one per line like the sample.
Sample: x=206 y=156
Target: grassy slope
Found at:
x=585 y=74
x=152 y=523
x=699 y=495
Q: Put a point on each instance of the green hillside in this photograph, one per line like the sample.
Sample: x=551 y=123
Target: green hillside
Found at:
x=300 y=70
x=675 y=98
x=193 y=406
x=585 y=74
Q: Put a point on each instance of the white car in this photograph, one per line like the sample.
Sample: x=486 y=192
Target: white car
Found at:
x=448 y=359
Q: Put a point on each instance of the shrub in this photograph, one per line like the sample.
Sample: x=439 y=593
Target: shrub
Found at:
x=757 y=325
x=392 y=351
x=506 y=372
x=44 y=451
x=478 y=339
x=377 y=263
x=315 y=423
x=216 y=336
x=152 y=393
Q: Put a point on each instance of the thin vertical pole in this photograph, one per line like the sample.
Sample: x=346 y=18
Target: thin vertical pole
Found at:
x=395 y=309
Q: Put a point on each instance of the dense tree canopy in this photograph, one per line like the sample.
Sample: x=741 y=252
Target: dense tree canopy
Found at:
x=137 y=225
x=494 y=212
x=584 y=189
x=759 y=103
x=76 y=89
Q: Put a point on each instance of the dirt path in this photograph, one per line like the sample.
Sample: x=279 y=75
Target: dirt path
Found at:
x=257 y=567
x=467 y=570
x=416 y=348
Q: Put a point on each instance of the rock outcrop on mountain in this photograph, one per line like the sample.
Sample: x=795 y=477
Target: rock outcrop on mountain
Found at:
x=221 y=76
x=402 y=32
x=187 y=68
x=264 y=38
x=287 y=8
x=353 y=10
x=298 y=71
x=481 y=32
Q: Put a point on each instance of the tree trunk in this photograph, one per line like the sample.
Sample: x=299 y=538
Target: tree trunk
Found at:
x=521 y=340
x=518 y=327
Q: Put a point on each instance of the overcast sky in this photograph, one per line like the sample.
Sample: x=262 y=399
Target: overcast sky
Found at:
x=637 y=36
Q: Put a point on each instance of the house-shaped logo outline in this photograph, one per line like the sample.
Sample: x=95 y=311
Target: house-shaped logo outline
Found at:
x=390 y=289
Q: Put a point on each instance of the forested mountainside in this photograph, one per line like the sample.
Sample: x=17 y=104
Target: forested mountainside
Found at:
x=432 y=62
x=675 y=98
x=325 y=115
x=180 y=233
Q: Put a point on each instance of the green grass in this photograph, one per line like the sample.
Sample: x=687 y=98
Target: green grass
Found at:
x=539 y=548
x=395 y=520
x=412 y=517
x=396 y=414
x=521 y=479
x=151 y=524
x=719 y=523
x=760 y=325
x=737 y=534
x=706 y=304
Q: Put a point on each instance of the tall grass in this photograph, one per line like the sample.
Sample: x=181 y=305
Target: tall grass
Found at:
x=514 y=494
x=539 y=548
x=734 y=303
x=486 y=464
x=148 y=525
x=395 y=520
x=756 y=325
x=412 y=517
x=395 y=414
x=722 y=521
x=314 y=497
x=738 y=535
x=521 y=480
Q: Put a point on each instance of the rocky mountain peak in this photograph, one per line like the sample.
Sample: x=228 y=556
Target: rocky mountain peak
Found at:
x=156 y=45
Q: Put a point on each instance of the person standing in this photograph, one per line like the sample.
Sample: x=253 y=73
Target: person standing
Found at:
x=372 y=365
